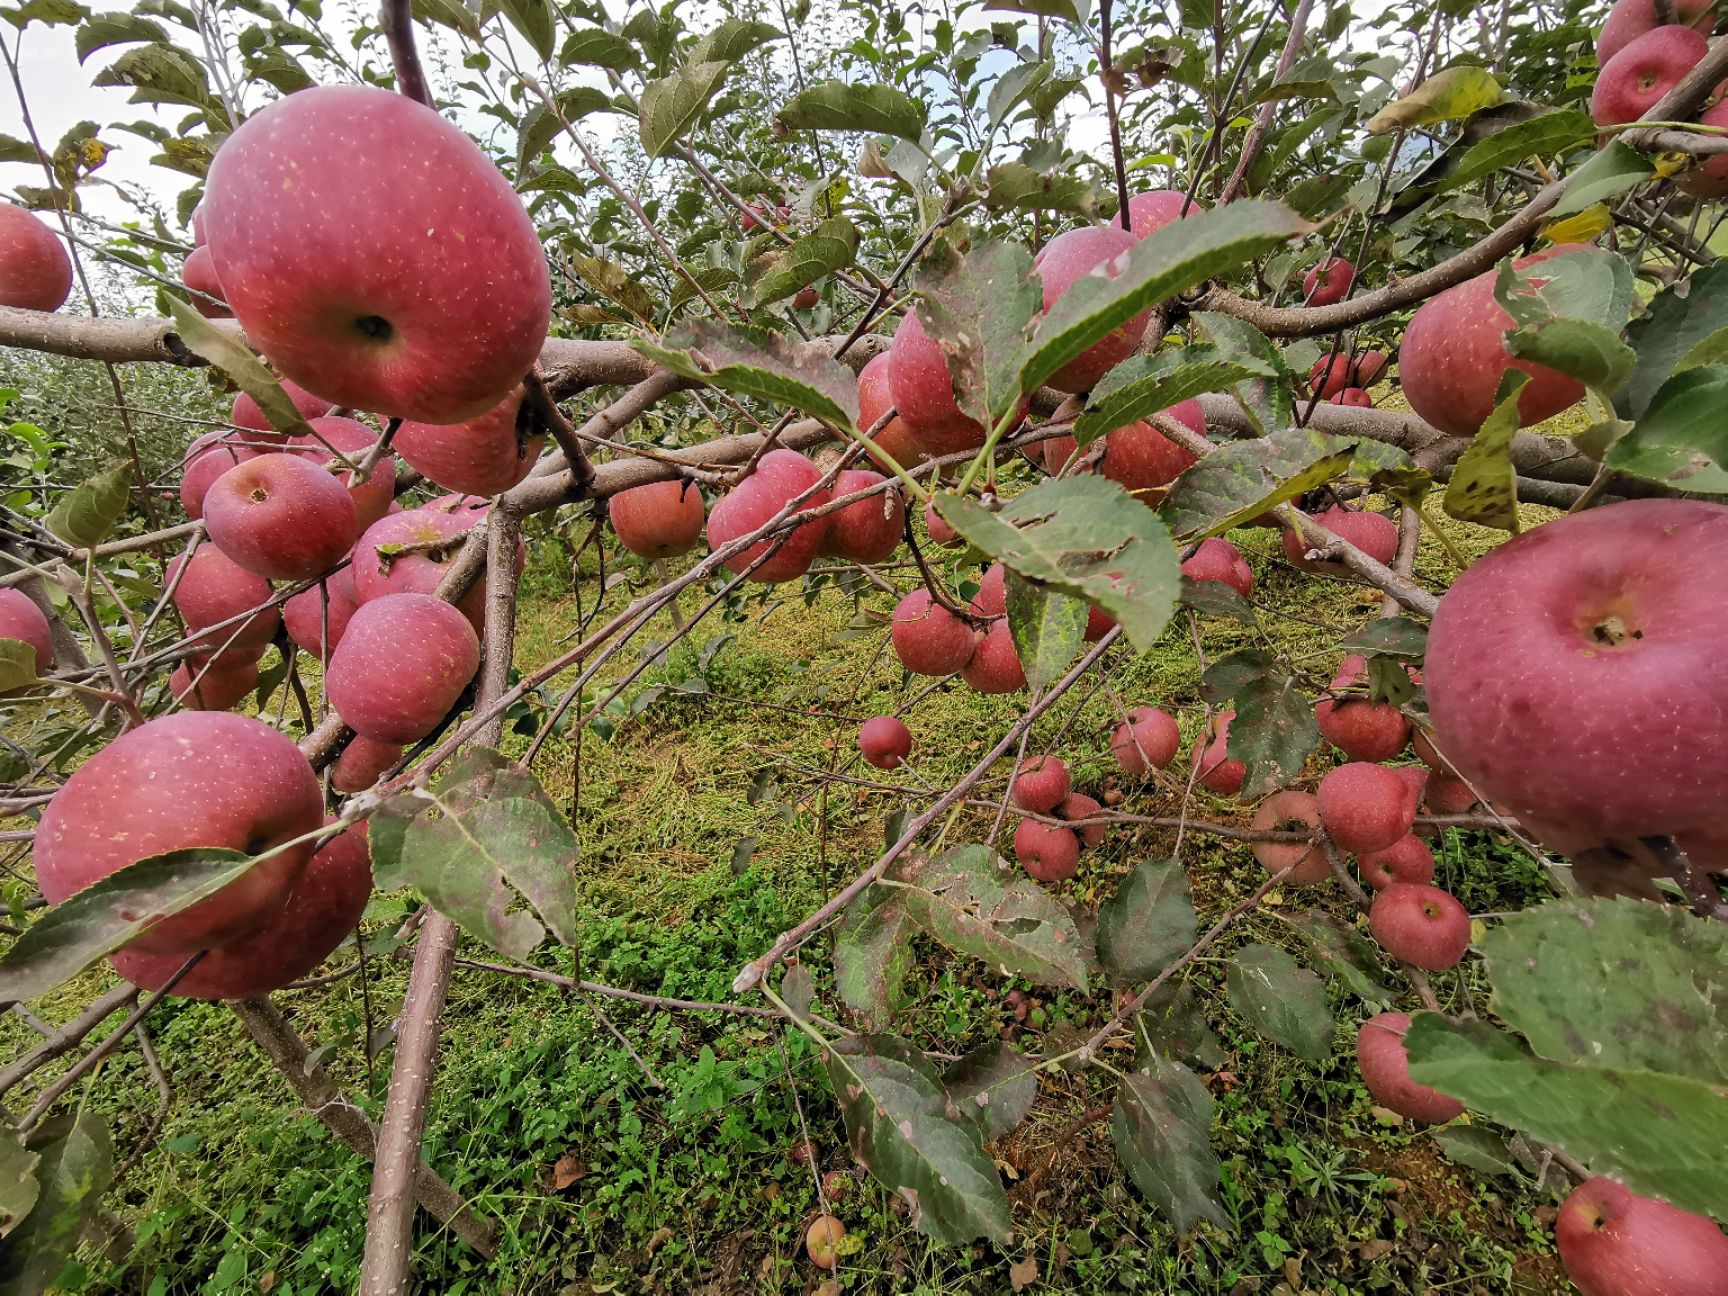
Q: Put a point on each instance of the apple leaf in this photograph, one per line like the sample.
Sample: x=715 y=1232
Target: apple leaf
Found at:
x=1347 y=954
x=597 y=47
x=1484 y=485
x=1215 y=598
x=1148 y=924
x=244 y=369
x=1274 y=732
x=99 y=31
x=1659 y=1133
x=979 y=309
x=1587 y=286
x=873 y=955
x=1014 y=186
x=831 y=246
x=1475 y=1148
x=85 y=515
x=974 y=903
x=453 y=14
x=612 y=280
x=993 y=1087
x=767 y=366
x=1446 y=96
x=733 y=39
x=1684 y=323
x=1609 y=173
x=835 y=105
x=534 y=19
x=673 y=104
x=898 y=1125
x=110 y=914
x=1681 y=439
x=1013 y=86
x=1559 y=131
x=1073 y=11
x=17 y=665
x=486 y=840
x=1166 y=262
x=1583 y=349
x=1148 y=384
x=75 y=1168
x=1390 y=637
x=1047 y=628
x=1280 y=999
x=1162 y=1125
x=158 y=73
x=542 y=124
x=1173 y=1023
x=18 y=1186
x=1084 y=536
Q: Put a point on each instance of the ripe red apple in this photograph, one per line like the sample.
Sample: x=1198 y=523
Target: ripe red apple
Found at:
x=1651 y=65
x=1362 y=730
x=1385 y=1069
x=780 y=477
x=1093 y=251
x=198 y=273
x=1630 y=19
x=317 y=617
x=1136 y=456
x=884 y=741
x=193 y=778
x=1709 y=178
x=485 y=455
x=869 y=530
x=1218 y=771
x=992 y=596
x=400 y=667
x=221 y=687
x=1218 y=560
x=1077 y=807
x=1047 y=852
x=281 y=517
x=1156 y=208
x=1354 y=397
x=1454 y=353
x=659 y=520
x=1614 y=1242
x=1145 y=741
x=1328 y=283
x=433 y=536
x=363 y=762
x=806 y=298
x=1419 y=925
x=324 y=908
x=1415 y=779
x=205 y=460
x=995 y=663
x=35 y=272
x=1040 y=783
x=928 y=638
x=1374 y=534
x=1573 y=674
x=1407 y=860
x=1447 y=795
x=1098 y=624
x=22 y=620
x=214 y=589
x=822 y=1241
x=876 y=398
x=372 y=497
x=247 y=414
x=1364 y=807
x=1332 y=375
x=1291 y=812
x=375 y=254
x=940 y=532
x=923 y=393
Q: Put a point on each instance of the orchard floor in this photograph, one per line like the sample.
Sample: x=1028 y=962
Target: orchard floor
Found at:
x=704 y=835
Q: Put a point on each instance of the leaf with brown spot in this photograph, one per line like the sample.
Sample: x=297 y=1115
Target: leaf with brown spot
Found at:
x=567 y=1171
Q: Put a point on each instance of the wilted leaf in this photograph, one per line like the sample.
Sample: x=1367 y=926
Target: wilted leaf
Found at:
x=993 y=1087
x=798 y=989
x=1173 y=1022
x=1148 y=924
x=980 y=309
x=570 y=1169
x=1162 y=1123
x=1446 y=96
x=1484 y=485
x=873 y=954
x=612 y=280
x=1281 y=1000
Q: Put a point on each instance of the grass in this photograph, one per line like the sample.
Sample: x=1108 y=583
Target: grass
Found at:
x=701 y=841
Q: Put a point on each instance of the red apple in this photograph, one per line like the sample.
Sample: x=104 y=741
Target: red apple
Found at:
x=995 y=665
x=1098 y=624
x=928 y=638
x=1407 y=860
x=1362 y=730
x=884 y=741
x=363 y=762
x=940 y=532
x=1137 y=456
x=1047 y=852
x=869 y=530
x=22 y=620
x=215 y=589
x=1385 y=1069
x=317 y=617
x=375 y=254
x=1354 y=397
x=194 y=778
x=198 y=273
x=354 y=441
x=1364 y=807
x=205 y=460
x=1291 y=812
x=1374 y=534
x=1077 y=807
x=806 y=298
x=1709 y=178
x=1420 y=925
x=401 y=665
x=1446 y=795
x=1331 y=375
x=280 y=517
x=661 y=519
x=1630 y=19
x=1218 y=560
x=432 y=537
x=780 y=477
x=991 y=600
x=486 y=455
x=1454 y=353
x=1328 y=283
x=875 y=399
x=1039 y=784
x=1146 y=741
x=923 y=393
x=220 y=687
x=1218 y=771
x=1651 y=65
x=35 y=272
x=1614 y=1242
x=247 y=413
x=1094 y=251
x=1156 y=208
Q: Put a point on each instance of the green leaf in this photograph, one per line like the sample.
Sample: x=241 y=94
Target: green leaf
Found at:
x=1389 y=636
x=1590 y=285
x=835 y=105
x=873 y=955
x=1476 y=1148
x=1164 y=263
x=13 y=149
x=597 y=47
x=1678 y=323
x=1608 y=174
x=1013 y=86
x=1583 y=349
x=85 y=515
x=1267 y=396
x=993 y=1087
x=1215 y=598
x=1615 y=982
x=1148 y=924
x=1147 y=384
x=1073 y=11
x=99 y=31
x=1280 y=999
x=17 y=665
x=110 y=914
x=612 y=280
x=244 y=369
x=714 y=279
x=1660 y=1134
x=1014 y=186
x=1048 y=629
x=453 y=14
x=534 y=19
x=1559 y=131
x=158 y=73
x=897 y=1124
x=18 y=1186
x=1682 y=438
x=1347 y=954
x=76 y=1167
x=50 y=13
x=733 y=39
x=831 y=246
x=1174 y=1023
x=541 y=126
x=1484 y=485
x=1274 y=732
x=673 y=104
x=1083 y=536
x=1446 y=96
x=766 y=366
x=1162 y=1125
x=976 y=904
x=980 y=310
x=488 y=839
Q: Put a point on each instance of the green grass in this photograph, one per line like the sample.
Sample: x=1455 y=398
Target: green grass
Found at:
x=690 y=1187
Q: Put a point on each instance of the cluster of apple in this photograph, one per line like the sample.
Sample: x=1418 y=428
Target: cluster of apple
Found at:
x=1641 y=58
